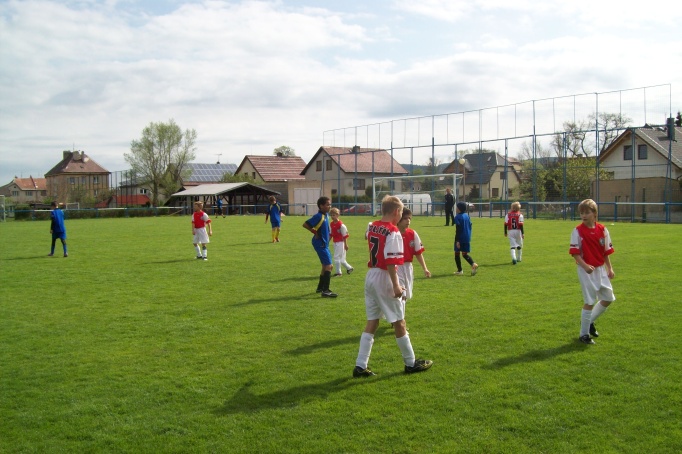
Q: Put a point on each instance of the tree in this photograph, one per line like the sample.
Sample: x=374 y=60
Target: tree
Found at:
x=161 y=155
x=526 y=152
x=579 y=137
x=286 y=151
x=236 y=178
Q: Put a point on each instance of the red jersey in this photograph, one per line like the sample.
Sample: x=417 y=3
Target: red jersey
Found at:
x=200 y=219
x=385 y=245
x=592 y=244
x=339 y=232
x=412 y=245
x=514 y=220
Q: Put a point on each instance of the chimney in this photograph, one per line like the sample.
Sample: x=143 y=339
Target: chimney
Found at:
x=280 y=154
x=356 y=149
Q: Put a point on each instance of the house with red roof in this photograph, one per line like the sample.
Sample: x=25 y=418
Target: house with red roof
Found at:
x=77 y=178
x=25 y=190
x=349 y=170
x=273 y=172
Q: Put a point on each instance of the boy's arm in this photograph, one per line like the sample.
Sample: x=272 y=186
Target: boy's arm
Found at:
x=582 y=264
x=267 y=215
x=505 y=229
x=209 y=228
x=397 y=289
x=309 y=228
x=422 y=262
x=345 y=244
x=609 y=269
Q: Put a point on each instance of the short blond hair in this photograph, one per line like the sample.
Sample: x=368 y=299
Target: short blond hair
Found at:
x=334 y=211
x=516 y=206
x=200 y=205
x=588 y=205
x=389 y=204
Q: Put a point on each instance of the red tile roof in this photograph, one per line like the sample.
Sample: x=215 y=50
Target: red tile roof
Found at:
x=76 y=162
x=276 y=168
x=31 y=184
x=368 y=160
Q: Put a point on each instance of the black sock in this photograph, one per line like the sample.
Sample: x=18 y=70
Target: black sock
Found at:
x=320 y=284
x=327 y=279
x=458 y=262
x=469 y=260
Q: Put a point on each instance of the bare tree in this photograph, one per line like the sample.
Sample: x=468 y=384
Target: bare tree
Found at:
x=526 y=151
x=579 y=138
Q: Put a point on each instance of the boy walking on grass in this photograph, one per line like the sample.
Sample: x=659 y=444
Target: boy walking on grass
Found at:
x=463 y=240
x=318 y=225
x=57 y=228
x=383 y=292
x=513 y=229
x=339 y=234
x=412 y=247
x=275 y=214
x=591 y=248
x=201 y=230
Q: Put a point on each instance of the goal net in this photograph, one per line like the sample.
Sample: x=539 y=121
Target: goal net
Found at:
x=73 y=206
x=423 y=194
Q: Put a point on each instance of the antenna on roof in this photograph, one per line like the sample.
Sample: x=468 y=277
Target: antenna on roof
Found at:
x=219 y=155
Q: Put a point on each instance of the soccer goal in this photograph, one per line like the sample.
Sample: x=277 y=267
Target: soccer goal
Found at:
x=423 y=194
x=73 y=206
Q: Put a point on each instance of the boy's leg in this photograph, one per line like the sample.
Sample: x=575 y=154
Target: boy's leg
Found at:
x=54 y=242
x=272 y=233
x=205 y=251
x=64 y=246
x=365 y=350
x=320 y=283
x=513 y=255
x=458 y=262
x=519 y=254
x=197 y=248
x=277 y=234
x=585 y=320
x=599 y=309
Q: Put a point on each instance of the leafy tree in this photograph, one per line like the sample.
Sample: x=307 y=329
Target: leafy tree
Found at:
x=161 y=155
x=286 y=151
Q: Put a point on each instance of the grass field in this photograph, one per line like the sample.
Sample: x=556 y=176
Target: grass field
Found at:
x=132 y=345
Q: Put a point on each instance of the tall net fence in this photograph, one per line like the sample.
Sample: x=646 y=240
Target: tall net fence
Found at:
x=619 y=148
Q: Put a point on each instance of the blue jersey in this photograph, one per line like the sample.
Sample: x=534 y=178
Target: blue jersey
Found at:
x=57 y=217
x=462 y=228
x=320 y=222
x=275 y=210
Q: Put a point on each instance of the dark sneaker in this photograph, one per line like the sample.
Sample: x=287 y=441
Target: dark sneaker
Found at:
x=593 y=330
x=513 y=261
x=337 y=275
x=360 y=372
x=586 y=339
x=350 y=270
x=328 y=294
x=50 y=255
x=420 y=365
x=199 y=257
x=205 y=258
x=66 y=255
x=319 y=290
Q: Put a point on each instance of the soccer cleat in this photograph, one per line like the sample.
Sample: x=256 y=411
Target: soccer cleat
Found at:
x=586 y=339
x=328 y=294
x=50 y=255
x=199 y=257
x=420 y=365
x=205 y=258
x=458 y=273
x=360 y=372
x=474 y=269
x=350 y=270
x=593 y=330
x=337 y=275
x=66 y=255
x=513 y=261
x=277 y=240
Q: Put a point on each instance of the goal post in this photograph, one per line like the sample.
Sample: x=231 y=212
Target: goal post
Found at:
x=423 y=194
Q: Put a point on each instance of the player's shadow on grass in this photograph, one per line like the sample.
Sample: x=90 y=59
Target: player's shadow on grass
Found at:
x=306 y=349
x=278 y=299
x=245 y=401
x=536 y=355
x=298 y=278
x=161 y=262
x=44 y=256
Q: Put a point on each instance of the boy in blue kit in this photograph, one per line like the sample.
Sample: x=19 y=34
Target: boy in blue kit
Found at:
x=274 y=213
x=57 y=228
x=318 y=225
x=463 y=239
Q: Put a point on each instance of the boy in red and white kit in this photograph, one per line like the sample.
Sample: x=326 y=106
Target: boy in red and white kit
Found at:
x=412 y=247
x=339 y=234
x=591 y=248
x=383 y=292
x=513 y=229
x=200 y=224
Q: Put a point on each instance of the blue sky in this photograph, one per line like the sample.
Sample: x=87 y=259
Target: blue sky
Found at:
x=251 y=76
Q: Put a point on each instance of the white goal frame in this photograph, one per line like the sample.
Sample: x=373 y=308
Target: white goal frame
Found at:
x=72 y=206
x=404 y=186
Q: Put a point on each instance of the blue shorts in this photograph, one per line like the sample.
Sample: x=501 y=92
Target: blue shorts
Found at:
x=463 y=247
x=275 y=224
x=324 y=254
x=60 y=235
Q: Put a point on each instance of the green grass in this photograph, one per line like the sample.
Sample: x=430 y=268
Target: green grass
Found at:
x=132 y=345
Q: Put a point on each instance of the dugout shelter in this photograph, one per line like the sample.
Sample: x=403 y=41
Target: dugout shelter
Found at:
x=238 y=198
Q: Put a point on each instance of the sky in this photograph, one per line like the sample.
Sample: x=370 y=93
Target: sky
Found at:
x=250 y=76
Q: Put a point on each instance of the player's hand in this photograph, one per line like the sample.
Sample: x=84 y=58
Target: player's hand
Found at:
x=427 y=273
x=210 y=233
x=398 y=291
x=588 y=269
x=345 y=247
x=611 y=274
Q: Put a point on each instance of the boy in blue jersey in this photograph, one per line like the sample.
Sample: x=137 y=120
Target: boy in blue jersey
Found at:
x=57 y=228
x=463 y=239
x=318 y=225
x=274 y=213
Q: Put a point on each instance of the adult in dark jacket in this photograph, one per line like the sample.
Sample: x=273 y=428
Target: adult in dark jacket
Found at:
x=449 y=207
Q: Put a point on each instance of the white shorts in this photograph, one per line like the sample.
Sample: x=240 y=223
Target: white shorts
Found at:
x=515 y=239
x=595 y=286
x=200 y=236
x=406 y=278
x=379 y=297
x=339 y=252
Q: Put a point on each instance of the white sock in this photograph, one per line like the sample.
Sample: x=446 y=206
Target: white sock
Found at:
x=198 y=249
x=205 y=252
x=520 y=253
x=337 y=265
x=597 y=311
x=585 y=320
x=366 y=342
x=406 y=349
x=513 y=254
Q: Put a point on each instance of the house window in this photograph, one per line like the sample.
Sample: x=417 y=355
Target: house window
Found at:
x=496 y=192
x=642 y=152
x=83 y=180
x=253 y=175
x=95 y=194
x=43 y=193
x=72 y=180
x=246 y=174
x=29 y=193
x=15 y=193
x=143 y=191
x=359 y=184
x=318 y=166
x=503 y=175
x=329 y=164
x=627 y=153
x=95 y=179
